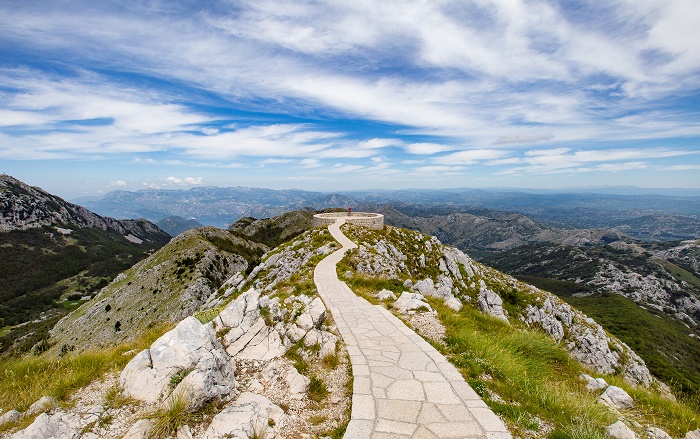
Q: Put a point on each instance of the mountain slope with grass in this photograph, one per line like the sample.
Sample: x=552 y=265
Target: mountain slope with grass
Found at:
x=649 y=302
x=521 y=348
x=184 y=276
x=56 y=255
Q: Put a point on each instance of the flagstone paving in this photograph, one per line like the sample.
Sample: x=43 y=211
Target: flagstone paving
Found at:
x=403 y=387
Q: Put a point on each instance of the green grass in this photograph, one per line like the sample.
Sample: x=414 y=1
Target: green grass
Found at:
x=536 y=377
x=670 y=354
x=26 y=379
x=678 y=272
x=168 y=419
x=317 y=389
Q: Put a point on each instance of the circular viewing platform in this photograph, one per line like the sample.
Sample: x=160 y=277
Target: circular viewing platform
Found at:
x=367 y=219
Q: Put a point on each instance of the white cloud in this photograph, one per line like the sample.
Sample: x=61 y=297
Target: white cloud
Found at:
x=523 y=138
x=117 y=183
x=188 y=181
x=427 y=148
x=470 y=156
x=310 y=163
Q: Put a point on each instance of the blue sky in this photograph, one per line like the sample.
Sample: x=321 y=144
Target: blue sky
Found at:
x=97 y=96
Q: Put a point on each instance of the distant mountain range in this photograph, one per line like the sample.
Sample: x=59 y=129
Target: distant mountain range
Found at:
x=650 y=217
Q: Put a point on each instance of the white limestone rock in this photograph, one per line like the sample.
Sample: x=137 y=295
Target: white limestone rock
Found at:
x=695 y=434
x=426 y=287
x=490 y=302
x=594 y=384
x=140 y=430
x=10 y=417
x=298 y=383
x=657 y=433
x=57 y=426
x=617 y=398
x=386 y=294
x=189 y=346
x=184 y=432
x=249 y=416
x=454 y=303
x=43 y=404
x=620 y=430
x=411 y=302
x=238 y=316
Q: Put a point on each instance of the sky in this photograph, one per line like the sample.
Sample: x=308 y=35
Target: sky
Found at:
x=109 y=95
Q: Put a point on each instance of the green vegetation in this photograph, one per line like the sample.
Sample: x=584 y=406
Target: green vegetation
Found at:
x=41 y=266
x=670 y=354
x=536 y=377
x=317 y=389
x=167 y=420
x=24 y=380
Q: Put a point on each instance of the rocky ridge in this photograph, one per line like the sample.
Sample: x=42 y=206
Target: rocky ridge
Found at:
x=25 y=207
x=630 y=270
x=457 y=279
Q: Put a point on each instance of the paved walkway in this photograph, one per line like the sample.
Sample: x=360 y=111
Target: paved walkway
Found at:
x=403 y=387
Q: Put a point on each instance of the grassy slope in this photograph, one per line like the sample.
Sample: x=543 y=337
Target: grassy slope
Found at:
x=536 y=382
x=38 y=270
x=663 y=343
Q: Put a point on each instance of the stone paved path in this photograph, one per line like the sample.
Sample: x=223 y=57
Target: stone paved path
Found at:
x=403 y=387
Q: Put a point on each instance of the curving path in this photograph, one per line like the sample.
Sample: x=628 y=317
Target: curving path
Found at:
x=403 y=387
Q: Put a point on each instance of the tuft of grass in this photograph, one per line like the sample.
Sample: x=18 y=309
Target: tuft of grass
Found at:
x=115 y=398
x=331 y=361
x=168 y=419
x=317 y=389
x=301 y=365
x=24 y=380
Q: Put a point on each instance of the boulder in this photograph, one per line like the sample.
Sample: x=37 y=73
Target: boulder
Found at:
x=454 y=303
x=620 y=430
x=426 y=287
x=249 y=416
x=189 y=347
x=140 y=430
x=10 y=417
x=57 y=426
x=238 y=316
x=266 y=345
x=617 y=398
x=43 y=404
x=386 y=294
x=695 y=434
x=657 y=433
x=490 y=302
x=594 y=384
x=411 y=302
x=184 y=432
x=298 y=383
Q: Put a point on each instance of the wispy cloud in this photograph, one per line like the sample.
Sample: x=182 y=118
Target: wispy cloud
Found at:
x=308 y=84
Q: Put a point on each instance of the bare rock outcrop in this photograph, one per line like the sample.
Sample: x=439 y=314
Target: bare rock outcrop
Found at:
x=250 y=416
x=411 y=302
x=620 y=430
x=188 y=361
x=490 y=302
x=617 y=398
